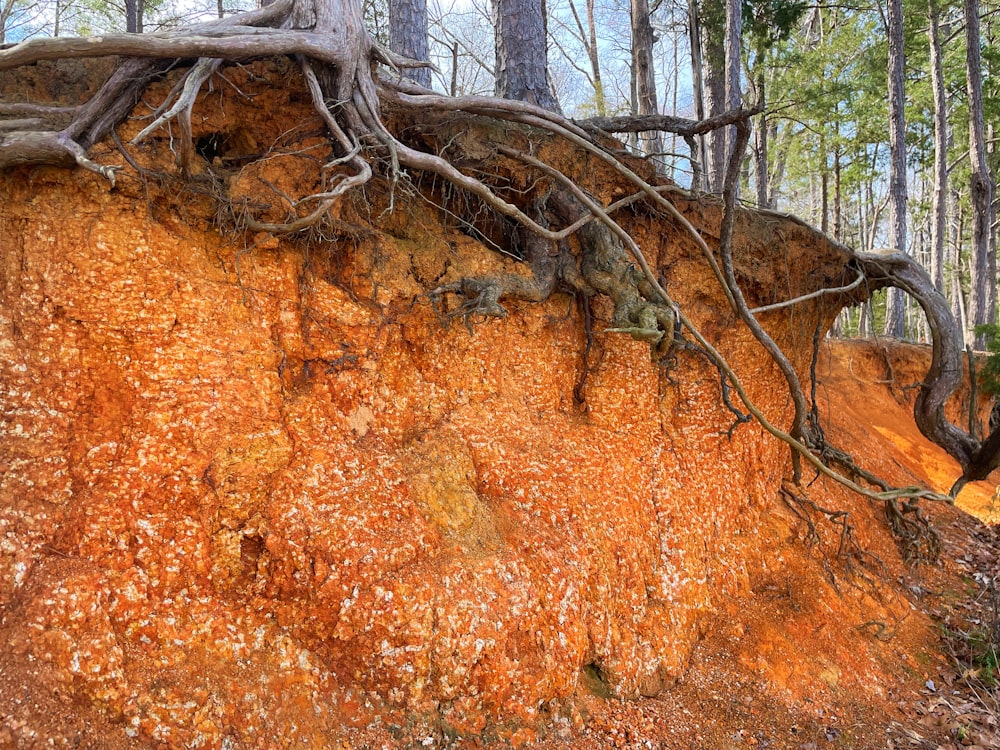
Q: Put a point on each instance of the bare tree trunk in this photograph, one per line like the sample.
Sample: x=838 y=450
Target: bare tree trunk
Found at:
x=595 y=61
x=939 y=200
x=895 y=321
x=982 y=301
x=958 y=305
x=699 y=160
x=862 y=204
x=674 y=95
x=734 y=66
x=587 y=37
x=713 y=54
x=645 y=73
x=837 y=229
x=777 y=162
x=633 y=102
x=454 y=69
x=522 y=67
x=408 y=35
x=760 y=162
x=824 y=198
x=761 y=173
x=133 y=17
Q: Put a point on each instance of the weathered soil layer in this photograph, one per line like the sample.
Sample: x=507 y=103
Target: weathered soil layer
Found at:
x=257 y=492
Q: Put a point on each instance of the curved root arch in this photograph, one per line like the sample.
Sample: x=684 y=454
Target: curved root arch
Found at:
x=337 y=56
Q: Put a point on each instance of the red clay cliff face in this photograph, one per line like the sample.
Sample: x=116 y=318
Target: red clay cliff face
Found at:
x=255 y=493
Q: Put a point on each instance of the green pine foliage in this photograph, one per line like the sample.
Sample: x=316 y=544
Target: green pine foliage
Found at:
x=989 y=373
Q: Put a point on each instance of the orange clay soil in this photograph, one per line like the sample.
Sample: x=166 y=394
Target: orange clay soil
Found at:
x=256 y=492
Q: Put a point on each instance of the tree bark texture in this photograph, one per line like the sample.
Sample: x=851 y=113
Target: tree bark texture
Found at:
x=939 y=199
x=679 y=125
x=761 y=174
x=895 y=318
x=408 y=35
x=713 y=54
x=837 y=227
x=522 y=68
x=699 y=155
x=595 y=61
x=734 y=68
x=946 y=371
x=982 y=301
x=133 y=16
x=645 y=74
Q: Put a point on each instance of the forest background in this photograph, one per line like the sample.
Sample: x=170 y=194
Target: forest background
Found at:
x=874 y=121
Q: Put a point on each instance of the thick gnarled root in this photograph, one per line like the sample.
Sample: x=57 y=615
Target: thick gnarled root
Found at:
x=600 y=266
x=483 y=293
x=605 y=268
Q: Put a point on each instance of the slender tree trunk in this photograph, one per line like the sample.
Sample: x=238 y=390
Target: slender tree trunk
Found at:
x=595 y=62
x=699 y=160
x=522 y=68
x=588 y=38
x=713 y=52
x=958 y=305
x=633 y=105
x=939 y=199
x=408 y=35
x=870 y=215
x=645 y=73
x=824 y=188
x=837 y=228
x=761 y=173
x=132 y=22
x=734 y=67
x=982 y=298
x=895 y=321
x=674 y=96
x=777 y=158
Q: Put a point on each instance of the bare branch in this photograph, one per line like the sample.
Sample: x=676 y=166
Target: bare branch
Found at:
x=230 y=43
x=812 y=295
x=669 y=124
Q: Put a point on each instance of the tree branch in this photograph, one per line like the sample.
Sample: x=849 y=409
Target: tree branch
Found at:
x=669 y=124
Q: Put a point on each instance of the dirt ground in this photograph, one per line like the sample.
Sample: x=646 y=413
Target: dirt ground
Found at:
x=935 y=694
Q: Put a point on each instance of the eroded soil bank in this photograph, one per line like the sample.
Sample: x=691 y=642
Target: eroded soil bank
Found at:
x=257 y=492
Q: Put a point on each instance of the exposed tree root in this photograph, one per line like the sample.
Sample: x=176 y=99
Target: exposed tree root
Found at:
x=860 y=564
x=918 y=540
x=800 y=426
x=545 y=259
x=600 y=266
